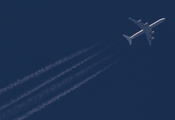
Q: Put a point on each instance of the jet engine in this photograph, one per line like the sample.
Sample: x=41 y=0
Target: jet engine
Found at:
x=152 y=38
x=152 y=32
x=139 y=20
x=146 y=23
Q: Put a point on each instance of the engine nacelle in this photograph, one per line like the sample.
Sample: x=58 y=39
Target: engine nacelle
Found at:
x=139 y=20
x=152 y=32
x=152 y=38
x=146 y=23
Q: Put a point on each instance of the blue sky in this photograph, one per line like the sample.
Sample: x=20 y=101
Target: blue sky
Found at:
x=37 y=33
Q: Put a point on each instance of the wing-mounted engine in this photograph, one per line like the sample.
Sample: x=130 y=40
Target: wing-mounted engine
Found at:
x=146 y=23
x=152 y=32
x=152 y=38
x=139 y=20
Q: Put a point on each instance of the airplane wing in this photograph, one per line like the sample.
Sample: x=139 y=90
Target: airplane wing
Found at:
x=146 y=28
x=139 y=23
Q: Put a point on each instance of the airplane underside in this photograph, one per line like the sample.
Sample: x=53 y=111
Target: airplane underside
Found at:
x=145 y=29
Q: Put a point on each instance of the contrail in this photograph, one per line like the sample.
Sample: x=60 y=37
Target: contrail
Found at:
x=17 y=108
x=50 y=80
x=42 y=106
x=45 y=69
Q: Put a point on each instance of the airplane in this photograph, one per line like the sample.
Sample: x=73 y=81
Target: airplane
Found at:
x=145 y=29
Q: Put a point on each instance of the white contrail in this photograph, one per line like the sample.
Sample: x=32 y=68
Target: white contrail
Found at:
x=42 y=106
x=45 y=69
x=50 y=80
x=17 y=108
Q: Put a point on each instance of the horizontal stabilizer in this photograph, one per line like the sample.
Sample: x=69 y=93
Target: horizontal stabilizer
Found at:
x=128 y=38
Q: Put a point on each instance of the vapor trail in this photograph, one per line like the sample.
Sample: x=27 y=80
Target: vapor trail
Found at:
x=42 y=106
x=50 y=80
x=17 y=108
x=45 y=69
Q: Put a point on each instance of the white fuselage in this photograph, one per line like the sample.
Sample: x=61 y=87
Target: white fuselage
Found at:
x=148 y=29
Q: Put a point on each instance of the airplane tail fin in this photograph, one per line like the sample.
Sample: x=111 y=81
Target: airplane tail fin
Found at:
x=128 y=38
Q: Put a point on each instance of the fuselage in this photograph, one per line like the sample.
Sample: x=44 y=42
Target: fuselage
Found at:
x=147 y=29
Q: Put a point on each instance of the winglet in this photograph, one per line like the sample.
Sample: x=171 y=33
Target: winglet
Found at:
x=128 y=38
